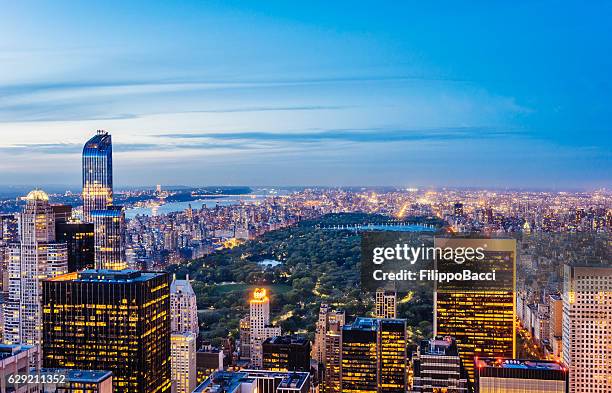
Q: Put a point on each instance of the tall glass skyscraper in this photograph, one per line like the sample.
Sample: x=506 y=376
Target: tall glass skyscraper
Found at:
x=109 y=238
x=97 y=174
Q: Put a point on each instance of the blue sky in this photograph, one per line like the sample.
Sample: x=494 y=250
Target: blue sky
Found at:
x=318 y=93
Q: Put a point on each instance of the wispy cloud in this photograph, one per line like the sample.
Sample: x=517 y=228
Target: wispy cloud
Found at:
x=370 y=135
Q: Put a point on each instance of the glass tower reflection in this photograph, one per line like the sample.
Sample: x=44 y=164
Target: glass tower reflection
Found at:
x=97 y=174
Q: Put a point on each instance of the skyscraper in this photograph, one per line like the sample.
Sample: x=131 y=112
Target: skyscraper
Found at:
x=587 y=327
x=97 y=174
x=511 y=375
x=36 y=257
x=333 y=354
x=359 y=356
x=79 y=239
x=183 y=307
x=183 y=360
x=481 y=319
x=286 y=353
x=259 y=323
x=110 y=320
x=109 y=238
x=327 y=317
x=386 y=303
x=392 y=355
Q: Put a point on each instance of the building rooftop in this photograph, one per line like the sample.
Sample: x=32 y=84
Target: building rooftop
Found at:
x=229 y=382
x=361 y=323
x=441 y=346
x=103 y=275
x=519 y=364
x=182 y=286
x=91 y=376
x=8 y=350
x=294 y=339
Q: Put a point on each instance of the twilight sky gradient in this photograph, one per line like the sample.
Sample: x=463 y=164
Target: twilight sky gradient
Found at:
x=326 y=93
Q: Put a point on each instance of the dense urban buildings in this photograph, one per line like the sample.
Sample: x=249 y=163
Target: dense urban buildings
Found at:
x=117 y=321
x=587 y=332
x=510 y=375
x=481 y=319
x=437 y=367
x=17 y=359
x=97 y=174
x=37 y=256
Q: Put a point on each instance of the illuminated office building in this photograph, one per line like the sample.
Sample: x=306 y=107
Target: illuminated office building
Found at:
x=183 y=361
x=386 y=304
x=37 y=256
x=436 y=367
x=97 y=174
x=373 y=356
x=79 y=239
x=109 y=238
x=509 y=375
x=183 y=307
x=117 y=321
x=392 y=355
x=259 y=324
x=587 y=327
x=286 y=353
x=360 y=356
x=481 y=319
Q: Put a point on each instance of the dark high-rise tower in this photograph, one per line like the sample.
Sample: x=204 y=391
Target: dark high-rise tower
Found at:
x=97 y=174
x=79 y=238
x=110 y=320
x=109 y=238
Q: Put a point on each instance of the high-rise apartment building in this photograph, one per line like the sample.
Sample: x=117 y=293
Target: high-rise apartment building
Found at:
x=386 y=304
x=510 y=375
x=97 y=174
x=79 y=239
x=327 y=317
x=183 y=361
x=259 y=324
x=245 y=338
x=436 y=367
x=481 y=319
x=183 y=307
x=286 y=353
x=109 y=238
x=373 y=356
x=16 y=359
x=117 y=321
x=332 y=363
x=587 y=327
x=36 y=257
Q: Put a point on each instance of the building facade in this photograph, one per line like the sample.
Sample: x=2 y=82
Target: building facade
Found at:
x=183 y=307
x=481 y=319
x=386 y=304
x=97 y=174
x=117 y=321
x=259 y=325
x=286 y=353
x=511 y=375
x=79 y=239
x=436 y=367
x=587 y=327
x=183 y=361
x=37 y=256
x=109 y=238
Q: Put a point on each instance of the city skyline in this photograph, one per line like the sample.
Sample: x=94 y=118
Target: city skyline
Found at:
x=271 y=94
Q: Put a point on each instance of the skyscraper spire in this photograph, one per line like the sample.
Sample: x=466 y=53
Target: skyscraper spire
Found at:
x=97 y=174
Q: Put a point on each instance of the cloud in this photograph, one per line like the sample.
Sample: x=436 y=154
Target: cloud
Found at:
x=369 y=135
